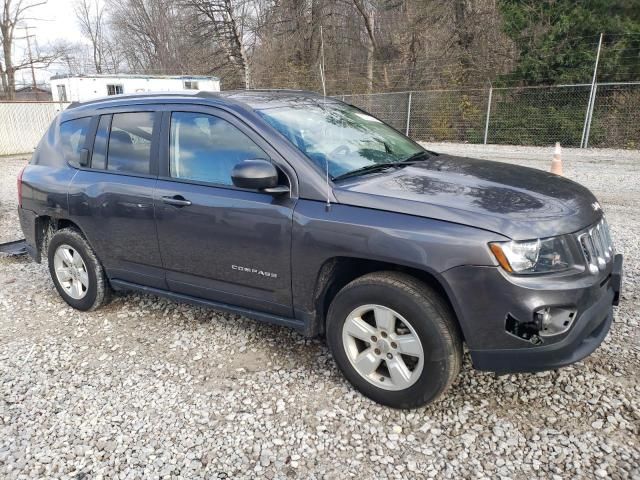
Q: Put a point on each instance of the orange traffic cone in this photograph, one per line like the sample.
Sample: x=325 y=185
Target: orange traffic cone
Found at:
x=556 y=163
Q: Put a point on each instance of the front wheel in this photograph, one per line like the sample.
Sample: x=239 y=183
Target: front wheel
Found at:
x=395 y=339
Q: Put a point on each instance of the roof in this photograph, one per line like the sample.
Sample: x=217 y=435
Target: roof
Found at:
x=254 y=99
x=130 y=75
x=30 y=88
x=263 y=99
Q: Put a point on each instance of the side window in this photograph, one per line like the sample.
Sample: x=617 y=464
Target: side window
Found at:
x=206 y=148
x=115 y=90
x=73 y=135
x=130 y=142
x=99 y=155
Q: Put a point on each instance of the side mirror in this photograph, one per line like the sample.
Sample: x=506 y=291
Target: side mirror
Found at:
x=257 y=175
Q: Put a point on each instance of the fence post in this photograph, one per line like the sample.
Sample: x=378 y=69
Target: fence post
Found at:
x=587 y=118
x=408 y=115
x=593 y=103
x=486 y=124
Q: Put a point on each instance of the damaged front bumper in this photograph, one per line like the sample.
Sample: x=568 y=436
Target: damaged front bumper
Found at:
x=502 y=322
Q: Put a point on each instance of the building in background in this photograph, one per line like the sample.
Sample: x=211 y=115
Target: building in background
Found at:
x=32 y=94
x=80 y=88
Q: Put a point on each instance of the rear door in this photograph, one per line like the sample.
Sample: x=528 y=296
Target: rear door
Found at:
x=217 y=241
x=112 y=198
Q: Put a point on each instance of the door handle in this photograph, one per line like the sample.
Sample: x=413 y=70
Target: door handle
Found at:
x=176 y=201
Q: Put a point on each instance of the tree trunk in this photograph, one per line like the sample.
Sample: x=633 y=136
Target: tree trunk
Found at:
x=11 y=83
x=370 y=61
x=239 y=45
x=96 y=59
x=3 y=80
x=369 y=24
x=10 y=73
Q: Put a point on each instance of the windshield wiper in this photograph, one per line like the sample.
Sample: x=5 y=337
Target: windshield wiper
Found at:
x=373 y=168
x=416 y=156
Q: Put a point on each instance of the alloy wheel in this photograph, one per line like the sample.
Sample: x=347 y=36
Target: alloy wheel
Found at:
x=71 y=271
x=383 y=347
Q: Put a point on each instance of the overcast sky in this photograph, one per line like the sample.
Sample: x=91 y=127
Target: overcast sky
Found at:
x=49 y=22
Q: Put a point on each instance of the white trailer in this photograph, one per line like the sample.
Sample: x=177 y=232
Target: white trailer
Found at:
x=79 y=88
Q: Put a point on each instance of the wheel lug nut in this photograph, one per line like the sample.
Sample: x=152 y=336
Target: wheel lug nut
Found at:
x=389 y=356
x=394 y=345
x=384 y=334
x=374 y=338
x=377 y=350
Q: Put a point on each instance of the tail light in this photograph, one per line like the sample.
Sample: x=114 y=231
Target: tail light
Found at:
x=20 y=186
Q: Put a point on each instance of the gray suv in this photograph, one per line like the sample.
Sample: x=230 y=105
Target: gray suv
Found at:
x=304 y=211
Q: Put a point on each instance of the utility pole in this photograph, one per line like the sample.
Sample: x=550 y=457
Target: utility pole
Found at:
x=33 y=72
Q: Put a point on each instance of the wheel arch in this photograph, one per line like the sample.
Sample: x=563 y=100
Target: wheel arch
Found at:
x=337 y=272
x=46 y=226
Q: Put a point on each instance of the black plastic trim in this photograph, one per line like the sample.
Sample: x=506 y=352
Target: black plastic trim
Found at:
x=264 y=317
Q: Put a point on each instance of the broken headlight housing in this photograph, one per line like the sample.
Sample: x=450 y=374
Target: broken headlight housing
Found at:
x=546 y=255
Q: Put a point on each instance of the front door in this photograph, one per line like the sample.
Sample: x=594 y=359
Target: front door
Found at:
x=217 y=241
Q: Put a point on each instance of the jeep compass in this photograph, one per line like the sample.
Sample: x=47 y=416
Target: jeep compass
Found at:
x=300 y=210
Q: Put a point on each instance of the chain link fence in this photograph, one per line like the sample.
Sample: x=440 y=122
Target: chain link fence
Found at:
x=510 y=115
x=514 y=115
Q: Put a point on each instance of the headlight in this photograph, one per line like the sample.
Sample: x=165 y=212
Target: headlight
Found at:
x=533 y=256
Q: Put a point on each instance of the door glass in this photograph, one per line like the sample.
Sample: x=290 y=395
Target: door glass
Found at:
x=72 y=135
x=130 y=142
x=206 y=148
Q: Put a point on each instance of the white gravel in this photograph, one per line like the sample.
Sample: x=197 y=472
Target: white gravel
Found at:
x=147 y=388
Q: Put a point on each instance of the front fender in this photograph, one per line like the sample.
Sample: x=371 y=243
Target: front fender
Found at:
x=432 y=246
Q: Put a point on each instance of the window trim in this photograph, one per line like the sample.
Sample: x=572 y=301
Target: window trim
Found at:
x=155 y=142
x=274 y=157
x=93 y=144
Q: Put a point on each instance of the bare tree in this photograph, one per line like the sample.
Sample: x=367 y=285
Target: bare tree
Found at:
x=227 y=21
x=367 y=12
x=13 y=12
x=90 y=16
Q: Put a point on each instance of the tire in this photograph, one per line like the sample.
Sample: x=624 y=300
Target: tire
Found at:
x=80 y=265
x=401 y=309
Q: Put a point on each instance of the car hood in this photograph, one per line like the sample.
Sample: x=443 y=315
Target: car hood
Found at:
x=518 y=202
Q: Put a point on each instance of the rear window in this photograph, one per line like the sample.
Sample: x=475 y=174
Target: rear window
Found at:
x=72 y=137
x=130 y=143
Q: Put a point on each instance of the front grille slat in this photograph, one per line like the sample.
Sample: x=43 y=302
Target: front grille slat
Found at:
x=597 y=246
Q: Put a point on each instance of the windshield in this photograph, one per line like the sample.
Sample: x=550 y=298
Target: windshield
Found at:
x=339 y=135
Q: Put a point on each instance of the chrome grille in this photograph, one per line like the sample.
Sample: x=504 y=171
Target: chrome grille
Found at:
x=597 y=246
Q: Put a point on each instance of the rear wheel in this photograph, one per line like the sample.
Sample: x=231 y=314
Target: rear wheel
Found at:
x=395 y=339
x=76 y=271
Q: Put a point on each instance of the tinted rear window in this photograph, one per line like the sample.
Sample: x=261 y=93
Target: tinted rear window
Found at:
x=130 y=142
x=72 y=137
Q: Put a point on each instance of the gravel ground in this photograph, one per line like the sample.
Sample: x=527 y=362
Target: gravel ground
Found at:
x=147 y=388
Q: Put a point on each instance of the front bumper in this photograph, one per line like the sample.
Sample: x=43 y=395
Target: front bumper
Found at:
x=483 y=316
